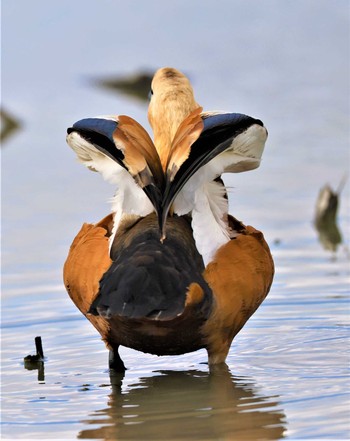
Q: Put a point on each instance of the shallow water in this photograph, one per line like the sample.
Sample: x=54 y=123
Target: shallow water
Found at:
x=287 y=371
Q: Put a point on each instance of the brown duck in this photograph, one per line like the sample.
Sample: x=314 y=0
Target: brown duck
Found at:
x=169 y=271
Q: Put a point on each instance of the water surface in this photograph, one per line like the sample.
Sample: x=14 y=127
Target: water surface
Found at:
x=286 y=63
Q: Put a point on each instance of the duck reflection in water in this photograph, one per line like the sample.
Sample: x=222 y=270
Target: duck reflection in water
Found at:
x=191 y=404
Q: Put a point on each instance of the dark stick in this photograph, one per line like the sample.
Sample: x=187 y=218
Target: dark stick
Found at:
x=39 y=347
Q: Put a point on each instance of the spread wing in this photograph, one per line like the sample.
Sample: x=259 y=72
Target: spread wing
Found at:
x=205 y=146
x=117 y=147
x=94 y=148
x=228 y=142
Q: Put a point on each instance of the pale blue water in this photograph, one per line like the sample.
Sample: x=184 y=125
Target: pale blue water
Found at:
x=286 y=63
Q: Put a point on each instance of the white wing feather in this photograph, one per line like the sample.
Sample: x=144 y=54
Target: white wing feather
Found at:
x=129 y=198
x=205 y=199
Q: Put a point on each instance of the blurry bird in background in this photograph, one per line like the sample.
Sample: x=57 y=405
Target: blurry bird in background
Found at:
x=325 y=220
x=169 y=271
x=135 y=86
x=9 y=125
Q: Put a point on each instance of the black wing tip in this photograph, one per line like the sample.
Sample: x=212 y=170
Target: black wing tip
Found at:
x=99 y=132
x=259 y=122
x=100 y=126
x=225 y=119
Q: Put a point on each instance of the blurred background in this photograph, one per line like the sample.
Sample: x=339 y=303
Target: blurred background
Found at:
x=284 y=62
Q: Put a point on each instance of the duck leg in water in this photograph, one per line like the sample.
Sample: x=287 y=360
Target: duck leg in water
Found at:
x=115 y=362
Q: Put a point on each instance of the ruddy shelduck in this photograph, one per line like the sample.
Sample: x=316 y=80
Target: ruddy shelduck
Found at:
x=169 y=271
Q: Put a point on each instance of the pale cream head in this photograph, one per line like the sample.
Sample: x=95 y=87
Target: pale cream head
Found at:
x=171 y=101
